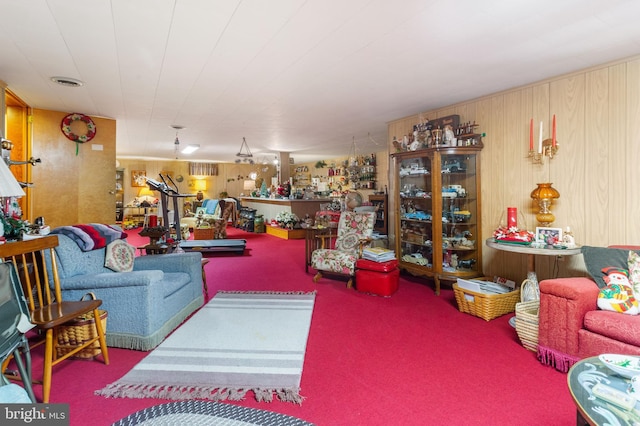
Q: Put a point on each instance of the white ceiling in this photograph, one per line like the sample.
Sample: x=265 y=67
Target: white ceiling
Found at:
x=297 y=76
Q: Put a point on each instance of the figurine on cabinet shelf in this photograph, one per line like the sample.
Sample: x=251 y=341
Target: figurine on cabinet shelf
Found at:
x=448 y=137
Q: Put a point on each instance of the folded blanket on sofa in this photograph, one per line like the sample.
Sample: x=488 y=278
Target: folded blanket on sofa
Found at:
x=210 y=206
x=91 y=236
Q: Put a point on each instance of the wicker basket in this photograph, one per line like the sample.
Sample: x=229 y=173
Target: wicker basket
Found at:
x=78 y=331
x=485 y=306
x=203 y=233
x=527 y=318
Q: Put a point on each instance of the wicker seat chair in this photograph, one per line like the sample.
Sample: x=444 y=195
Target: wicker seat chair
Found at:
x=48 y=311
x=354 y=232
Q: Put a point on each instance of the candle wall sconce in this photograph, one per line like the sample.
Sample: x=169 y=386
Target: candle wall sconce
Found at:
x=549 y=149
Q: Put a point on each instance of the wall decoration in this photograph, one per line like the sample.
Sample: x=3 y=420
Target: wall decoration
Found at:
x=138 y=178
x=74 y=124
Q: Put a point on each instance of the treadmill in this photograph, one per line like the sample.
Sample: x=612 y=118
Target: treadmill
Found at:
x=169 y=190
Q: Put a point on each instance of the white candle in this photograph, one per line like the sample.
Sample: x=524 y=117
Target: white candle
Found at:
x=540 y=140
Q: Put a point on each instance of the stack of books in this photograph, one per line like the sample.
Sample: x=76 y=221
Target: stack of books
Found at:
x=378 y=254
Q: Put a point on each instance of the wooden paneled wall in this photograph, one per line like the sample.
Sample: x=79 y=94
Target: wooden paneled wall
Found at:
x=72 y=188
x=596 y=168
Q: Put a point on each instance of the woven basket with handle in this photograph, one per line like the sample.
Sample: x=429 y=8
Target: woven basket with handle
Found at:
x=78 y=331
x=527 y=316
x=485 y=306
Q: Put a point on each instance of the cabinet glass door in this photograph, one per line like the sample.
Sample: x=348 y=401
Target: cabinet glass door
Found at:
x=459 y=213
x=415 y=210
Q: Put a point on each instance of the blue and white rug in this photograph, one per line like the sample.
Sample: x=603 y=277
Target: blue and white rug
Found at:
x=237 y=342
x=207 y=413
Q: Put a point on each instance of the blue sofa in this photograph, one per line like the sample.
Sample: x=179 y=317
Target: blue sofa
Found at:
x=143 y=305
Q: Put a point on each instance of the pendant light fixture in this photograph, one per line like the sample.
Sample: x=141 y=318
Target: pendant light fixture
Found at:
x=244 y=155
x=176 y=143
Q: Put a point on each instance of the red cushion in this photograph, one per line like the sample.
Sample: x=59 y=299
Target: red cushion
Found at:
x=617 y=326
x=370 y=265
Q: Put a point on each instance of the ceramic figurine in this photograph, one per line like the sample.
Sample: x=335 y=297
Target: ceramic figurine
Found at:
x=567 y=239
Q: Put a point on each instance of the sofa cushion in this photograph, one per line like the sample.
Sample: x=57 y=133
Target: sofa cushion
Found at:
x=625 y=328
x=173 y=282
x=597 y=258
x=210 y=206
x=73 y=261
x=633 y=263
x=119 y=256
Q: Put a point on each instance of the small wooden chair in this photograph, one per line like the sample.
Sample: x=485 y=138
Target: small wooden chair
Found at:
x=36 y=261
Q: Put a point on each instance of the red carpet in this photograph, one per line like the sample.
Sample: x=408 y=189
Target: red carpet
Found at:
x=411 y=359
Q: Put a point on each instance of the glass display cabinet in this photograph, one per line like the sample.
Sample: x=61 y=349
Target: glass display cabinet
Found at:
x=437 y=221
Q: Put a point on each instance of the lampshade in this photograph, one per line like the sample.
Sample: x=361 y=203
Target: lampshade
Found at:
x=9 y=186
x=545 y=191
x=200 y=185
x=249 y=185
x=145 y=192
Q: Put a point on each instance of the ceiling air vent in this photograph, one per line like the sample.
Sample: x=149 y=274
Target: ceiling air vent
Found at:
x=67 y=81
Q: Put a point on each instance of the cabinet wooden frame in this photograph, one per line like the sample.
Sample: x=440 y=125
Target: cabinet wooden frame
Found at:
x=437 y=210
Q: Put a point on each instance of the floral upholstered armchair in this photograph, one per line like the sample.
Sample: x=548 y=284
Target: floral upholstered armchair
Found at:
x=218 y=223
x=354 y=232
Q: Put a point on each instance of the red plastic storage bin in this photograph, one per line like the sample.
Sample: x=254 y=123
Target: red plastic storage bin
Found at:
x=379 y=278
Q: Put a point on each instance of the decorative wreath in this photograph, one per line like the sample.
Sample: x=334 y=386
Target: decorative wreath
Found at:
x=66 y=127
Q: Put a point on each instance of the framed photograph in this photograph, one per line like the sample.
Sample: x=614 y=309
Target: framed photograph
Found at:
x=200 y=211
x=138 y=178
x=549 y=236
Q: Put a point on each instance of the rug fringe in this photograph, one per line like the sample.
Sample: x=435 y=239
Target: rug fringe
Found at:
x=267 y=292
x=180 y=393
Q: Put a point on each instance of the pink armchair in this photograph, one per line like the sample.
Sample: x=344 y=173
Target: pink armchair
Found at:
x=571 y=327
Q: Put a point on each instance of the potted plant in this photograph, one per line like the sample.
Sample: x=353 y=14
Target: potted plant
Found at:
x=13 y=227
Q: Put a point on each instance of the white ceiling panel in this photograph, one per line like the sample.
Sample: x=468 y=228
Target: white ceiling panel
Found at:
x=289 y=75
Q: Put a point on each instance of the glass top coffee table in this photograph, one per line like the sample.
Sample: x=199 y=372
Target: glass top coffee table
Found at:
x=593 y=410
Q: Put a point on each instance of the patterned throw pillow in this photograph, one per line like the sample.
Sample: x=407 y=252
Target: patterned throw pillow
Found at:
x=617 y=295
x=634 y=272
x=596 y=258
x=119 y=256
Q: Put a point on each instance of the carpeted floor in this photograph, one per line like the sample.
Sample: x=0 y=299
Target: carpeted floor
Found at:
x=410 y=359
x=237 y=342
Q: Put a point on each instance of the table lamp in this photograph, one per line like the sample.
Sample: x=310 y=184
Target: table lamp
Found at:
x=200 y=185
x=249 y=185
x=544 y=194
x=146 y=194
